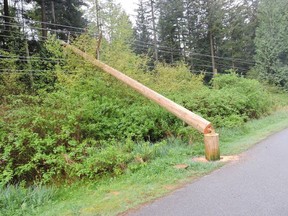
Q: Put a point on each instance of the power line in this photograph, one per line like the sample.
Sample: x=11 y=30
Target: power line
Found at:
x=23 y=38
x=158 y=45
x=47 y=23
x=30 y=57
x=39 y=28
x=173 y=52
x=163 y=49
x=26 y=70
x=207 y=66
x=199 y=54
x=35 y=59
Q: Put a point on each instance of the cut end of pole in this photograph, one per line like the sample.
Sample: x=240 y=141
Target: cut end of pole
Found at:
x=209 y=129
x=212 y=151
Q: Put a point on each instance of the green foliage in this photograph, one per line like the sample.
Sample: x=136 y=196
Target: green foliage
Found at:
x=18 y=200
x=272 y=43
x=232 y=101
x=9 y=81
x=56 y=133
x=90 y=125
x=19 y=75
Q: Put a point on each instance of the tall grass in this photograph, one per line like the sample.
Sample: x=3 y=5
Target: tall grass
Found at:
x=18 y=200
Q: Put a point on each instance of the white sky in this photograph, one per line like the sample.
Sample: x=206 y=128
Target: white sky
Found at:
x=129 y=6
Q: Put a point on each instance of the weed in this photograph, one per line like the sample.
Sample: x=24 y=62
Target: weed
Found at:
x=18 y=200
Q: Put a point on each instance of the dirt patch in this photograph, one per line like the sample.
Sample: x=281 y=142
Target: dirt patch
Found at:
x=222 y=159
x=181 y=166
x=115 y=193
x=170 y=187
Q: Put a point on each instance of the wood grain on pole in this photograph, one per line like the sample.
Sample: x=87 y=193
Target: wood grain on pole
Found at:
x=187 y=116
x=211 y=141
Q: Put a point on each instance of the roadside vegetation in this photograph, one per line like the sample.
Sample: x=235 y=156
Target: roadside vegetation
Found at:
x=88 y=125
x=75 y=141
x=88 y=132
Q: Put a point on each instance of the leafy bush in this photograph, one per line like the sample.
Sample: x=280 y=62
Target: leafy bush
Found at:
x=257 y=100
x=58 y=134
x=231 y=101
x=90 y=125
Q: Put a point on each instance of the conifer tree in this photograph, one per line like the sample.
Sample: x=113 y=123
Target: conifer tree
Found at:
x=239 y=33
x=272 y=42
x=143 y=29
x=171 y=28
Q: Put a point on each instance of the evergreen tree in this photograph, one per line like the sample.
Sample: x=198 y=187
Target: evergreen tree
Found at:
x=143 y=32
x=239 y=34
x=66 y=13
x=11 y=33
x=190 y=31
x=171 y=29
x=272 y=42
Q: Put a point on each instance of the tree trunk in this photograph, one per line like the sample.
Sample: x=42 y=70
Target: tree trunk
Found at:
x=154 y=31
x=6 y=16
x=44 y=20
x=212 y=52
x=97 y=16
x=53 y=11
x=97 y=8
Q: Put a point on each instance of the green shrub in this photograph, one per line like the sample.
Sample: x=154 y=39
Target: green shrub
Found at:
x=90 y=125
x=59 y=134
x=256 y=99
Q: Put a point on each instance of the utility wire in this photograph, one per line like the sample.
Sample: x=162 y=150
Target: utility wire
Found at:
x=47 y=23
x=22 y=38
x=162 y=49
x=39 y=28
x=159 y=46
x=144 y=45
x=197 y=54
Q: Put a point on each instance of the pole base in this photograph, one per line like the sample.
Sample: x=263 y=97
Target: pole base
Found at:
x=212 y=151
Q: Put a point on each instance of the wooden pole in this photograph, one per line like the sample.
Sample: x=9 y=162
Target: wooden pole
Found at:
x=196 y=121
x=211 y=141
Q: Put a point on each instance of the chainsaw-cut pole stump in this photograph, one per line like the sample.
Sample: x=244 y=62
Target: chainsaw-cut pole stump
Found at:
x=212 y=151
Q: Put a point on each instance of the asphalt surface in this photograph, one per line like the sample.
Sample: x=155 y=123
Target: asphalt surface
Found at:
x=255 y=185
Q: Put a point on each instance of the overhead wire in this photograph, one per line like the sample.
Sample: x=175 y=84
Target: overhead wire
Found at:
x=47 y=23
x=196 y=53
x=158 y=45
x=23 y=37
x=29 y=27
x=162 y=49
x=172 y=51
x=143 y=45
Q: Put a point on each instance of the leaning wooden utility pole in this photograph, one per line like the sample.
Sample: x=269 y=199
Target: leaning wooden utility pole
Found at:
x=210 y=137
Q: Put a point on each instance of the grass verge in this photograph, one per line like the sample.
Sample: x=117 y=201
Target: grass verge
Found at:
x=111 y=196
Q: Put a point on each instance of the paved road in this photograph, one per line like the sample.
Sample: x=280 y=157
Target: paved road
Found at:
x=255 y=185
